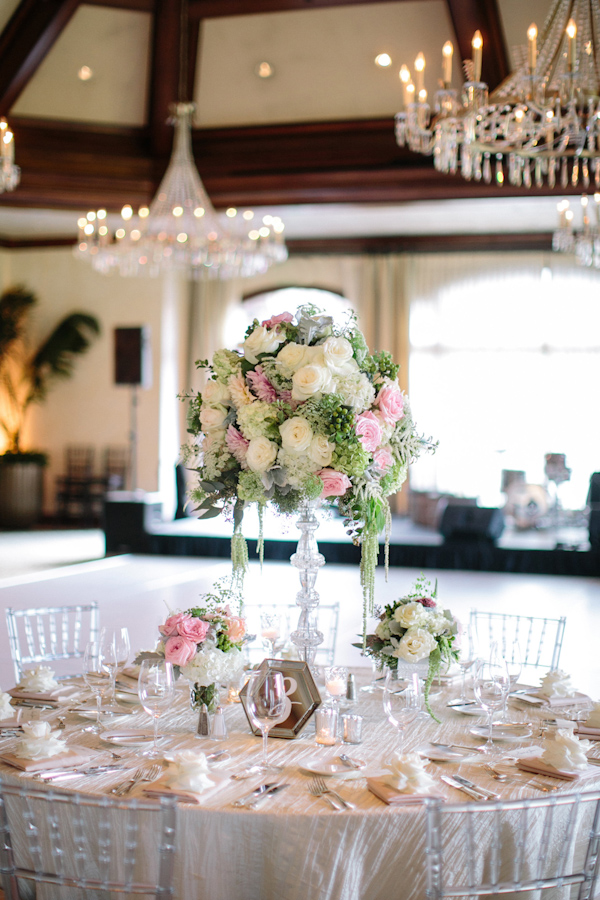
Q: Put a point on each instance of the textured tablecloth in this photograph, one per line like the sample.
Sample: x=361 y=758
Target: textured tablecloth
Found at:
x=295 y=847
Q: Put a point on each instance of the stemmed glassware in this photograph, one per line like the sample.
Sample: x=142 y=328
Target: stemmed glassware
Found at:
x=117 y=646
x=266 y=702
x=373 y=685
x=270 y=629
x=466 y=660
x=96 y=675
x=398 y=704
x=156 y=689
x=491 y=684
x=514 y=666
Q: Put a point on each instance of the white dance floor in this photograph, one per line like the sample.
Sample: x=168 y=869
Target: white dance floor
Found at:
x=137 y=591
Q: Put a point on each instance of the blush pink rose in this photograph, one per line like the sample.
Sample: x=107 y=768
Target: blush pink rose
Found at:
x=368 y=430
x=194 y=628
x=276 y=320
x=179 y=650
x=172 y=624
x=391 y=403
x=383 y=459
x=236 y=628
x=335 y=484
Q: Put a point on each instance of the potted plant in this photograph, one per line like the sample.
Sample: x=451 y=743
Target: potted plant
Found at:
x=25 y=378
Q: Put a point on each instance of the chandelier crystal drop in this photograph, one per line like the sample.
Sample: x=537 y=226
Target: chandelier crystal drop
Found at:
x=10 y=175
x=539 y=127
x=181 y=229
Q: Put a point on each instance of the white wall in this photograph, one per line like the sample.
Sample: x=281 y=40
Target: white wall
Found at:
x=89 y=407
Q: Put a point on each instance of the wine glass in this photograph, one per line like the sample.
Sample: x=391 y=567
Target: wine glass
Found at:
x=466 y=660
x=156 y=689
x=270 y=629
x=117 y=640
x=398 y=704
x=490 y=686
x=96 y=676
x=373 y=685
x=266 y=701
x=514 y=666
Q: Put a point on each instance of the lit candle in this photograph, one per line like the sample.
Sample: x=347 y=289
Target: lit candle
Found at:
x=336 y=686
x=8 y=146
x=327 y=726
x=270 y=634
x=404 y=76
x=532 y=46
x=477 y=45
x=572 y=48
x=420 y=70
x=447 y=52
x=410 y=93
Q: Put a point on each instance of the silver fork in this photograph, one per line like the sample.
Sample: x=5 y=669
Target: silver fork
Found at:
x=141 y=774
x=323 y=789
x=317 y=792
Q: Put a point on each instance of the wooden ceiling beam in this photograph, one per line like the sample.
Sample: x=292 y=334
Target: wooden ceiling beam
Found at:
x=164 y=77
x=28 y=36
x=467 y=17
x=211 y=9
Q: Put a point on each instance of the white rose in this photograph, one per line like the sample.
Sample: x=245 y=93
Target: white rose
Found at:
x=415 y=645
x=410 y=614
x=262 y=340
x=212 y=418
x=337 y=352
x=294 y=356
x=321 y=451
x=216 y=393
x=310 y=380
x=296 y=434
x=261 y=454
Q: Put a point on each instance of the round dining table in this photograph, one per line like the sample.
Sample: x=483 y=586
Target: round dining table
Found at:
x=294 y=845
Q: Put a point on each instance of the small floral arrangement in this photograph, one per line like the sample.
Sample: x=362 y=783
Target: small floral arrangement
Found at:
x=303 y=412
x=415 y=628
x=204 y=644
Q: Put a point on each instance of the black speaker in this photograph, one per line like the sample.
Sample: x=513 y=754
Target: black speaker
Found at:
x=593 y=497
x=471 y=523
x=594 y=527
x=132 y=356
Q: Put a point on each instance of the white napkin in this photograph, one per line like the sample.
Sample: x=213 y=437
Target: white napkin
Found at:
x=593 y=719
x=39 y=742
x=556 y=684
x=407 y=773
x=39 y=680
x=565 y=751
x=188 y=770
x=6 y=710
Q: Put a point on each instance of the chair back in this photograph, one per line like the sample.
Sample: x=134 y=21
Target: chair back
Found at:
x=50 y=633
x=540 y=640
x=327 y=619
x=115 y=468
x=79 y=461
x=94 y=843
x=513 y=846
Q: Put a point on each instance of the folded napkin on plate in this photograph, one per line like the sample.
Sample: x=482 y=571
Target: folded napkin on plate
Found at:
x=390 y=795
x=73 y=756
x=407 y=773
x=188 y=777
x=40 y=684
x=12 y=723
x=591 y=726
x=563 y=756
x=576 y=700
x=535 y=764
x=6 y=710
x=556 y=690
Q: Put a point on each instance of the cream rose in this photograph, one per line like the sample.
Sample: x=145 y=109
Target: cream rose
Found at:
x=410 y=614
x=294 y=356
x=321 y=451
x=261 y=454
x=309 y=381
x=216 y=393
x=262 y=340
x=337 y=352
x=212 y=418
x=296 y=434
x=416 y=644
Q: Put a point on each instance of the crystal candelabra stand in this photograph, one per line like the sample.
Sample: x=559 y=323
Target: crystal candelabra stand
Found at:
x=308 y=561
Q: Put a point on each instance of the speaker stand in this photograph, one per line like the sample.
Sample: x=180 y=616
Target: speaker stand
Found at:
x=133 y=436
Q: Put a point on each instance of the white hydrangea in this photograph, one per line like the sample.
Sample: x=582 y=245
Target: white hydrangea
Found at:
x=213 y=666
x=437 y=623
x=298 y=466
x=355 y=390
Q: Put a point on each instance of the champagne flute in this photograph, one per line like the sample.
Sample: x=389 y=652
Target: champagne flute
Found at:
x=96 y=676
x=156 y=689
x=266 y=701
x=490 y=686
x=398 y=703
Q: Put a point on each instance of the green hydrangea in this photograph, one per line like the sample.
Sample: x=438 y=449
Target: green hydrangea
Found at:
x=259 y=419
x=351 y=459
x=216 y=456
x=329 y=416
x=225 y=364
x=251 y=488
x=394 y=478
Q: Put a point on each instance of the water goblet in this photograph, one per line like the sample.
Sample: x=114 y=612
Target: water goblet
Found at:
x=398 y=704
x=156 y=689
x=270 y=629
x=514 y=666
x=266 y=703
x=96 y=676
x=116 y=642
x=490 y=686
x=466 y=660
x=373 y=685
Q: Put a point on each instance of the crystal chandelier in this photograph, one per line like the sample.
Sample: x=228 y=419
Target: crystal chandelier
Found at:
x=10 y=175
x=584 y=241
x=181 y=229
x=539 y=127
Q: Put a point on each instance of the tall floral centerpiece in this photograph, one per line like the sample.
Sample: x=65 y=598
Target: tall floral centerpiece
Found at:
x=204 y=645
x=303 y=413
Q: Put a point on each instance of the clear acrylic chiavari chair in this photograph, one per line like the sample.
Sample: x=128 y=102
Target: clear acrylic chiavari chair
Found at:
x=50 y=634
x=539 y=639
x=89 y=842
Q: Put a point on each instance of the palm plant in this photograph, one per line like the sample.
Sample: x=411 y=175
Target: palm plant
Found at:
x=26 y=377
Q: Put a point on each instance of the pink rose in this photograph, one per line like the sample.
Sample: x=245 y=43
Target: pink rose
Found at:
x=383 y=459
x=236 y=628
x=276 y=320
x=368 y=431
x=391 y=403
x=425 y=601
x=172 y=624
x=193 y=628
x=179 y=650
x=335 y=484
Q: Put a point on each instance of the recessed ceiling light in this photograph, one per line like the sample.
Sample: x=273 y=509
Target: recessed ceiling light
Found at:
x=383 y=60
x=264 y=70
x=85 y=73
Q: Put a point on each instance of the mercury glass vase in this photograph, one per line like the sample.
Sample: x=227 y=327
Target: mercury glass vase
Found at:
x=308 y=561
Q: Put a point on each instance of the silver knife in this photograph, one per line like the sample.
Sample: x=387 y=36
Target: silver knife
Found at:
x=490 y=795
x=264 y=788
x=77 y=773
x=265 y=796
x=470 y=792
